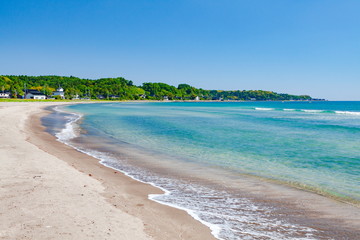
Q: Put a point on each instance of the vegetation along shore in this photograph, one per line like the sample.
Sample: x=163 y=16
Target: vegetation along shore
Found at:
x=56 y=87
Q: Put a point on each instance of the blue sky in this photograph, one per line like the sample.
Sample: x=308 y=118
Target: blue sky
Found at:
x=293 y=46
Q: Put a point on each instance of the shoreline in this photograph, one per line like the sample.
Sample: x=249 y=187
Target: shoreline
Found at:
x=76 y=192
x=215 y=230
x=183 y=226
x=292 y=184
x=322 y=213
x=130 y=196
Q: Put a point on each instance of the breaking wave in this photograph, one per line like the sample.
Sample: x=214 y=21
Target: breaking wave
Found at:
x=313 y=111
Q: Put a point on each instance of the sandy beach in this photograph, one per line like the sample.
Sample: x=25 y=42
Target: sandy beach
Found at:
x=51 y=191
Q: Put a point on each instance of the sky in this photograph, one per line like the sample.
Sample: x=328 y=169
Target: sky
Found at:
x=287 y=46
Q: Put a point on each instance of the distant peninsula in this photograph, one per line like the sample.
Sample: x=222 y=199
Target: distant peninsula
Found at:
x=60 y=87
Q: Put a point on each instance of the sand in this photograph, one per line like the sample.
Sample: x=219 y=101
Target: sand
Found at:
x=51 y=191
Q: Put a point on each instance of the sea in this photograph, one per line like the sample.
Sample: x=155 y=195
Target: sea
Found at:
x=210 y=158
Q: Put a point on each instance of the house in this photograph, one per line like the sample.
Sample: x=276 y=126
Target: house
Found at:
x=166 y=98
x=34 y=94
x=75 y=97
x=4 y=94
x=197 y=98
x=59 y=92
x=217 y=99
x=114 y=96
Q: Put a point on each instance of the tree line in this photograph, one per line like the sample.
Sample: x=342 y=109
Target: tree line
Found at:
x=122 y=89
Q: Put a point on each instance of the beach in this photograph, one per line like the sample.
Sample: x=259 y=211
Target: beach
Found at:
x=51 y=191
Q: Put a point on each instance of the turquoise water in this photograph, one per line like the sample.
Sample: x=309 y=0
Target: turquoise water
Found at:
x=315 y=145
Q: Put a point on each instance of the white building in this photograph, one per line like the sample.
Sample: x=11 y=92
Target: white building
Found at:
x=59 y=92
x=4 y=94
x=197 y=98
x=34 y=94
x=75 y=97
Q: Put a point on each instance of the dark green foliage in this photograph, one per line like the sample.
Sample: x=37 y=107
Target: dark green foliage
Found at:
x=122 y=89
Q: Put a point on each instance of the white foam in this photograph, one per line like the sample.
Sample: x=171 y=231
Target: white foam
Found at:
x=312 y=111
x=265 y=109
x=68 y=132
x=215 y=229
x=348 y=113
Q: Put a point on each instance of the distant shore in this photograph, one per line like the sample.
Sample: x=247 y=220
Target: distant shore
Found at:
x=112 y=101
x=51 y=191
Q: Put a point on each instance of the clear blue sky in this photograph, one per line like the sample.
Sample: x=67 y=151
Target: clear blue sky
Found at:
x=293 y=46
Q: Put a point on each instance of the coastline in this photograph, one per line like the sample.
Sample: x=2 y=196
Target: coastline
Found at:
x=331 y=218
x=149 y=220
x=50 y=190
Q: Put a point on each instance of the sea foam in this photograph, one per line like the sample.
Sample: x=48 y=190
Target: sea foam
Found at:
x=264 y=109
x=69 y=131
x=348 y=113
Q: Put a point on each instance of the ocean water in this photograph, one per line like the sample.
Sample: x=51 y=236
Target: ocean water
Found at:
x=196 y=152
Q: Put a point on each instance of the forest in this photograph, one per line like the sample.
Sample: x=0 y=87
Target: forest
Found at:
x=122 y=89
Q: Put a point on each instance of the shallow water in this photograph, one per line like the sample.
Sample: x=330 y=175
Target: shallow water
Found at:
x=184 y=147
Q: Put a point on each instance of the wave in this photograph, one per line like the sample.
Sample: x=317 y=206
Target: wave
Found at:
x=215 y=229
x=313 y=111
x=331 y=112
x=265 y=109
x=292 y=110
x=69 y=131
x=348 y=113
